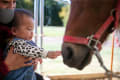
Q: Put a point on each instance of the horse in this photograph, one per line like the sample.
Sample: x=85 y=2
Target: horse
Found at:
x=89 y=24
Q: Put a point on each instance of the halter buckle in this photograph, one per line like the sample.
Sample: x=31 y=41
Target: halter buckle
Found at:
x=92 y=42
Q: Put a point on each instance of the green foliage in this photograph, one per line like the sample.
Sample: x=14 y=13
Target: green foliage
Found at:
x=26 y=4
x=65 y=14
x=52 y=9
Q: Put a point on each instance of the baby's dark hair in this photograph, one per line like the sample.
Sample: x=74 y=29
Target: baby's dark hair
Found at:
x=19 y=13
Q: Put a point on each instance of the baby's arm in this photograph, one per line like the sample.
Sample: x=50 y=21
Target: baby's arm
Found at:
x=25 y=49
x=53 y=54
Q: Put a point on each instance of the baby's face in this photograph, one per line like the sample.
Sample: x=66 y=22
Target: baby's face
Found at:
x=25 y=30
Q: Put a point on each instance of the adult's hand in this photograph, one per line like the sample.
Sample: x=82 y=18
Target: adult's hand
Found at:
x=16 y=61
x=35 y=61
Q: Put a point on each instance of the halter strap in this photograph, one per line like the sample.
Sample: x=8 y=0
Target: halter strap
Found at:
x=96 y=37
x=108 y=22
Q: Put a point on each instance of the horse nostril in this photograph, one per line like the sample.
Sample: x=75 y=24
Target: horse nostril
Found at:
x=69 y=51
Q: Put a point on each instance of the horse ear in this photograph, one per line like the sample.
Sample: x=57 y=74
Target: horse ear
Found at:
x=13 y=30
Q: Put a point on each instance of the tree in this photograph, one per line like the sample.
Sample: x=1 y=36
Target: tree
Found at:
x=26 y=4
x=51 y=10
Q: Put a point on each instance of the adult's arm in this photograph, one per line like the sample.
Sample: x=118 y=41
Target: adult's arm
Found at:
x=4 y=35
x=13 y=62
x=3 y=67
x=18 y=60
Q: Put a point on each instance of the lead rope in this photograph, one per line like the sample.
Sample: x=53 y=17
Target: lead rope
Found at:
x=100 y=60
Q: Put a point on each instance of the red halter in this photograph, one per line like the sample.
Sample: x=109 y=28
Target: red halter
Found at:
x=96 y=37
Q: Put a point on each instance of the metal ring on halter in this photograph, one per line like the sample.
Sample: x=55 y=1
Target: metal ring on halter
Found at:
x=93 y=42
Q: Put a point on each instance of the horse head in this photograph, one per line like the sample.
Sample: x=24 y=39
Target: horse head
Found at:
x=84 y=32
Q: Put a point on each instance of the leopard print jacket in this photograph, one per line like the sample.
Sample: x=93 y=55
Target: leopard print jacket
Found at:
x=23 y=48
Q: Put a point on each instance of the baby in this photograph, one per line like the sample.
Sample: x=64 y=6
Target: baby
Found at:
x=22 y=30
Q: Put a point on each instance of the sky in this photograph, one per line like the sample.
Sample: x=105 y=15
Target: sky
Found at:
x=67 y=0
x=64 y=0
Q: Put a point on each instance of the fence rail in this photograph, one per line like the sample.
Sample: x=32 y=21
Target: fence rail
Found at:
x=95 y=76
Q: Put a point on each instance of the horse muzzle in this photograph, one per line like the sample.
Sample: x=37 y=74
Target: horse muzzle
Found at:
x=76 y=55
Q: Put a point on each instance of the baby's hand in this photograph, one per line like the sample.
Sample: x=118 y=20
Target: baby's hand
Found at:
x=53 y=54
